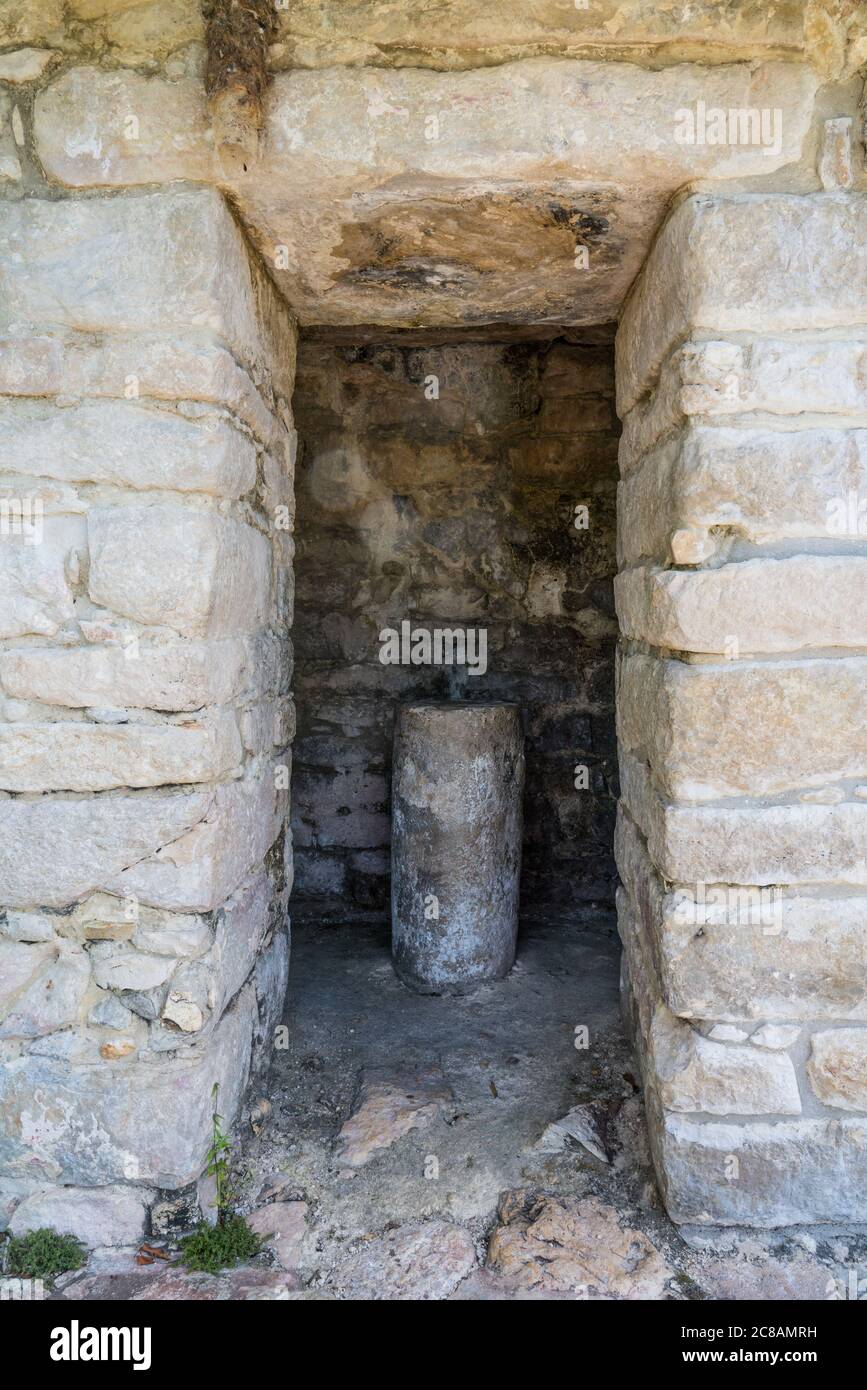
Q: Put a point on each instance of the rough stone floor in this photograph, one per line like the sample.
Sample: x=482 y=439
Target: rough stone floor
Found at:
x=465 y=1148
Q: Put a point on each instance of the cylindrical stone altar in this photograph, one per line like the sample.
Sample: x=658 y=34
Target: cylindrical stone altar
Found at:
x=457 y=788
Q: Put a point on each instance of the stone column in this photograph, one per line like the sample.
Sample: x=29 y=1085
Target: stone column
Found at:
x=742 y=597
x=145 y=599
x=457 y=777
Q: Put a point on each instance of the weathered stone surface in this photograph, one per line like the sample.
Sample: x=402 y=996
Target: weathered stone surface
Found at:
x=35 y=591
x=183 y=1012
x=142 y=33
x=97 y=757
x=167 y=368
x=693 y=1074
x=167 y=676
x=837 y=1068
x=709 y=380
x=763 y=1174
x=776 y=1036
x=20 y=962
x=762 y=605
x=111 y=1051
x=387 y=1107
x=51 y=1001
x=562 y=144
x=727 y=1032
x=10 y=164
x=549 y=106
x=197 y=871
x=746 y=728
x=98 y=917
x=689 y=1072
x=554 y=1244
x=475 y=33
x=127 y=445
x=283 y=1226
x=24 y=64
x=67 y=264
x=403 y=215
x=777 y=843
x=588 y=1124
x=111 y=1013
x=267 y=725
x=177 y=1285
x=461 y=34
x=23 y=21
x=270 y=978
x=241 y=926
x=170 y=139
x=738 y=1278
x=144 y=1122
x=53 y=851
x=371 y=241
x=427 y=1261
x=465 y=35
x=834 y=165
x=34 y=499
x=457 y=820
x=202 y=574
x=738 y=953
x=703 y=275
x=319 y=801
x=96 y=1216
x=171 y=934
x=132 y=970
x=27 y=926
x=709 y=487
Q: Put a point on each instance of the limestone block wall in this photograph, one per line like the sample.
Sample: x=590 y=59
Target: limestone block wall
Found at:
x=146 y=511
x=742 y=832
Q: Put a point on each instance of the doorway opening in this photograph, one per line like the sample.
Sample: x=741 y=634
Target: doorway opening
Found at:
x=465 y=486
x=459 y=484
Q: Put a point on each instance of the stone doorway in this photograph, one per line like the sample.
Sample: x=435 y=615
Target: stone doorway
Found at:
x=438 y=482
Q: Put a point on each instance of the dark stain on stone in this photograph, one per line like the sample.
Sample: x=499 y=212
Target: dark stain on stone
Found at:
x=434 y=247
x=587 y=227
x=410 y=275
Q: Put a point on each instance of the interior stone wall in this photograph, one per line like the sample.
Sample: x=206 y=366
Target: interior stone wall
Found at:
x=455 y=509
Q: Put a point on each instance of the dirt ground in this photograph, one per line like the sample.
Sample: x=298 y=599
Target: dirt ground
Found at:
x=412 y=1150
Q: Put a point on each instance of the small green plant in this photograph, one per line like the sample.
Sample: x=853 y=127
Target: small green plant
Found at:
x=43 y=1254
x=212 y=1248
x=218 y=1160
